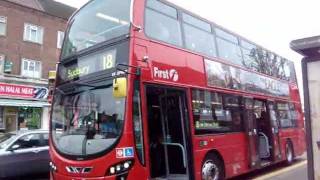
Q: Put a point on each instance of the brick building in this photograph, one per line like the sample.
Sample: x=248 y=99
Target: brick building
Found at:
x=31 y=34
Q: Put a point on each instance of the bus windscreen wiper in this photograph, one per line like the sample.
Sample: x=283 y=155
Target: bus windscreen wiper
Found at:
x=83 y=84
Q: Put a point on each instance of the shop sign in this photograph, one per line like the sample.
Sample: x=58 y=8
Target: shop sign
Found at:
x=225 y=76
x=85 y=66
x=23 y=91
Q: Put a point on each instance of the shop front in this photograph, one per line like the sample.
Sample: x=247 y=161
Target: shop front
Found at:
x=23 y=107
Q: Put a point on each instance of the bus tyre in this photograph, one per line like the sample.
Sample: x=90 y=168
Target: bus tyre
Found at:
x=212 y=168
x=289 y=153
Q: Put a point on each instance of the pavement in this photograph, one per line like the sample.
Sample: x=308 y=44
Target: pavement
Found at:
x=297 y=171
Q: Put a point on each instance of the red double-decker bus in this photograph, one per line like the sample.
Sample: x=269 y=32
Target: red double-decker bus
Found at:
x=148 y=90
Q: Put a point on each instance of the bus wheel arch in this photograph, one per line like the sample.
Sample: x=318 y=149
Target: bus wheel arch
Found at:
x=289 y=151
x=212 y=166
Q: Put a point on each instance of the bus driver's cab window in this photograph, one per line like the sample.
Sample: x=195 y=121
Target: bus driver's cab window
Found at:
x=108 y=124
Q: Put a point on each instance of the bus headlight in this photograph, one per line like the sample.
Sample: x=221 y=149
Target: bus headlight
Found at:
x=120 y=168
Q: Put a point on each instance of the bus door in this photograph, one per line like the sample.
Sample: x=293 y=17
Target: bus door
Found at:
x=167 y=133
x=274 y=131
x=252 y=132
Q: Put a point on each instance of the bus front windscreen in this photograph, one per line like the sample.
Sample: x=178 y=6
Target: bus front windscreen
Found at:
x=87 y=121
x=96 y=22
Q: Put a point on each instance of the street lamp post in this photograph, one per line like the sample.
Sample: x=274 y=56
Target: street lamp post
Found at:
x=310 y=49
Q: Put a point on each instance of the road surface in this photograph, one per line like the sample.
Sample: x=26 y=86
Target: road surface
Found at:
x=296 y=171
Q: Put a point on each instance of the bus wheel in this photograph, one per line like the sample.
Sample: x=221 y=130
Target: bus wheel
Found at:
x=212 y=168
x=289 y=153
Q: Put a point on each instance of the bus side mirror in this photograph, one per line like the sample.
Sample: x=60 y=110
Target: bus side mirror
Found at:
x=120 y=87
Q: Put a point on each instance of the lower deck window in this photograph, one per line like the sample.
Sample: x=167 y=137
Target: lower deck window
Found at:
x=216 y=113
x=287 y=114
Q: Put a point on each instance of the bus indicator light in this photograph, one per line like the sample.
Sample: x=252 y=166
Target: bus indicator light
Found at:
x=112 y=170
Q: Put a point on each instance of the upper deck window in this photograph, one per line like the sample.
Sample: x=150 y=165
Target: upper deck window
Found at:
x=229 y=51
x=247 y=45
x=162 y=23
x=198 y=37
x=249 y=55
x=228 y=47
x=292 y=72
x=96 y=23
x=199 y=40
x=165 y=9
x=226 y=35
x=196 y=22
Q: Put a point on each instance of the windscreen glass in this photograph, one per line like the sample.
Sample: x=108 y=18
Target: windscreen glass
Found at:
x=97 y=22
x=87 y=121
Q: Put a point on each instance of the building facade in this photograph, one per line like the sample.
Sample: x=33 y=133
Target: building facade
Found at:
x=31 y=35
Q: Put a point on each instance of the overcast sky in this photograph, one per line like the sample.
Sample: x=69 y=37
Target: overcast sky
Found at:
x=270 y=23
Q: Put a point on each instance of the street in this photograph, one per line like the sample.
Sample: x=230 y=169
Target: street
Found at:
x=296 y=171
x=159 y=89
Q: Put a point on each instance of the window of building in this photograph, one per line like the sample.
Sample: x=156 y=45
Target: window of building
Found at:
x=2 y=61
x=162 y=23
x=29 y=118
x=31 y=68
x=60 y=37
x=33 y=33
x=3 y=26
x=216 y=113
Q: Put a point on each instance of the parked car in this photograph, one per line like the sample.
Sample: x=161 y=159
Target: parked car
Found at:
x=23 y=153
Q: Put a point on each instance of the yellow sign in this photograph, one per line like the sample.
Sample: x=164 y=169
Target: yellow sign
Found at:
x=52 y=74
x=108 y=61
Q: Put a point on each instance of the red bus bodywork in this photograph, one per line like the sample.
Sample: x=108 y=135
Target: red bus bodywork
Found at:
x=232 y=148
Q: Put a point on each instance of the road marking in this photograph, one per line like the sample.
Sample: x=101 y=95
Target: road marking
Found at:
x=281 y=171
